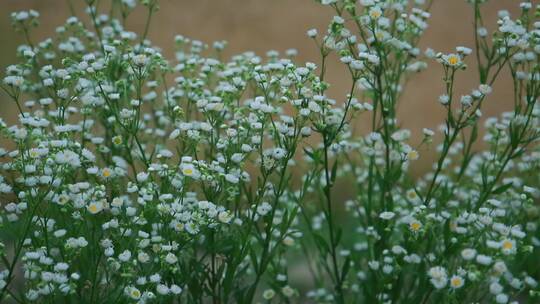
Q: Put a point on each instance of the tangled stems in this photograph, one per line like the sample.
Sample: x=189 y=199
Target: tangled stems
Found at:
x=201 y=179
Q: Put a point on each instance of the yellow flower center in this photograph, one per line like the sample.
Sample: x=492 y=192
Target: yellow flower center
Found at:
x=93 y=208
x=135 y=293
x=455 y=282
x=415 y=226
x=507 y=245
x=375 y=14
x=106 y=172
x=453 y=60
x=188 y=171
x=413 y=155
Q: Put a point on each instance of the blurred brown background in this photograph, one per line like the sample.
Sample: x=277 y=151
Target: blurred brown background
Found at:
x=262 y=25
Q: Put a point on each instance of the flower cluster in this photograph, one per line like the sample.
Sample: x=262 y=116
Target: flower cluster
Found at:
x=132 y=178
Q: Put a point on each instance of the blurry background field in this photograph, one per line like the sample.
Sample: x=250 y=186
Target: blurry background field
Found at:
x=262 y=25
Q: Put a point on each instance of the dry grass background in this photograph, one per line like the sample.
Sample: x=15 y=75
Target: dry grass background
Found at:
x=262 y=25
